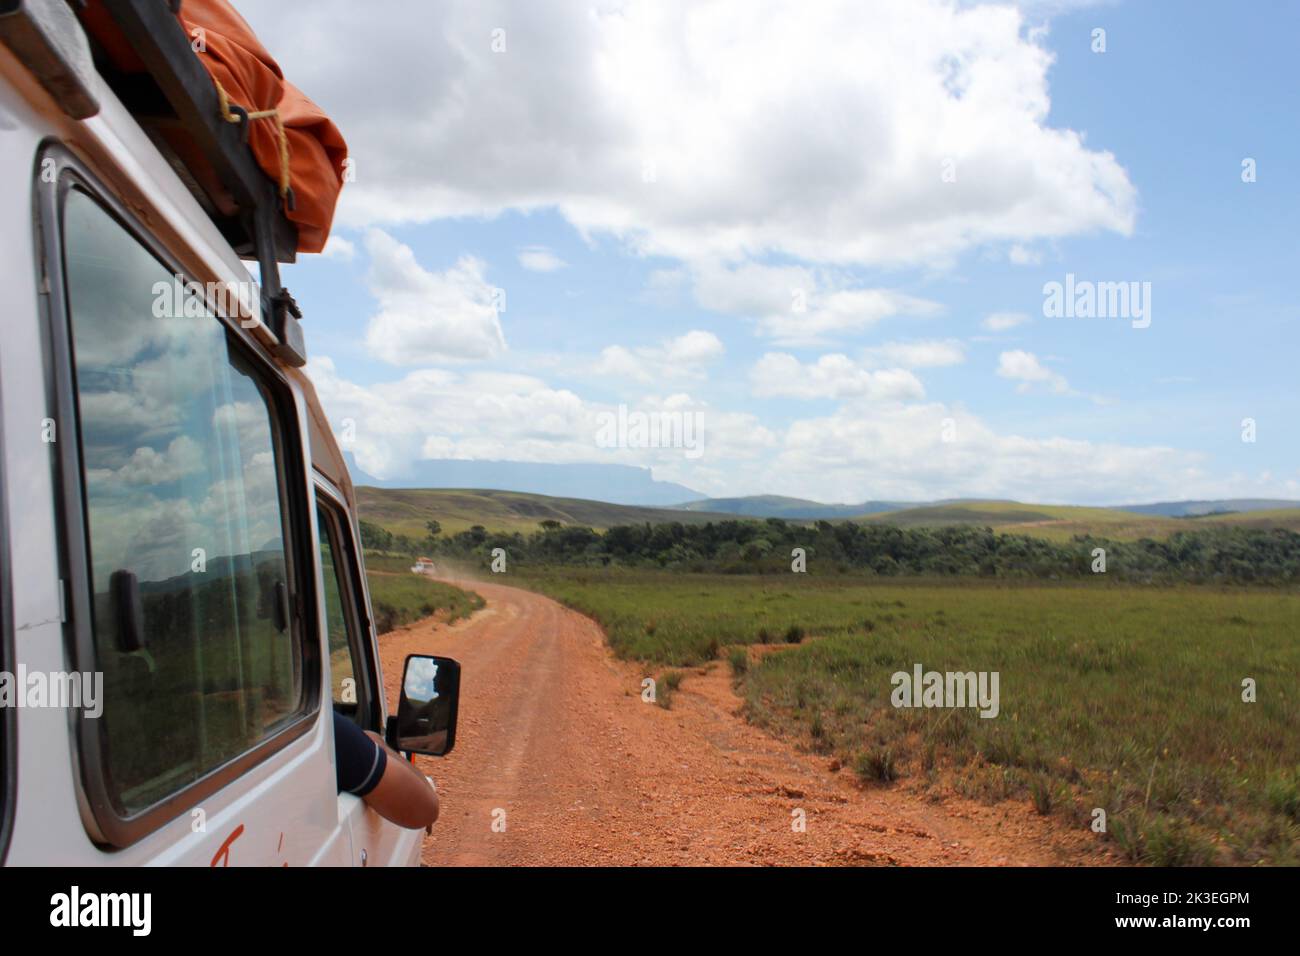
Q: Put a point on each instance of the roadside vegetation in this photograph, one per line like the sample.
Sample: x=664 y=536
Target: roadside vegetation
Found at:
x=399 y=597
x=1123 y=698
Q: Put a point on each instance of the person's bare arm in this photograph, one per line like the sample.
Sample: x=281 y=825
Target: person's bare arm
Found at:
x=403 y=795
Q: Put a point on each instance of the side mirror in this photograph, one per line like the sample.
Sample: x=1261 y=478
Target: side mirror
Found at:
x=426 y=712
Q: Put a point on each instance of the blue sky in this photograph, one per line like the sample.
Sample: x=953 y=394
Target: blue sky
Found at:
x=806 y=160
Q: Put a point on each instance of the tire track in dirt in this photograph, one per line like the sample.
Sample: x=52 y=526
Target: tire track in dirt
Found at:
x=554 y=734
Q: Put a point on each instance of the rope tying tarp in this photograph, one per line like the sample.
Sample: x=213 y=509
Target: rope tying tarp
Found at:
x=230 y=116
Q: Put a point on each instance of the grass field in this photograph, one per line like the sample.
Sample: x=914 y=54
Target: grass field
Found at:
x=405 y=511
x=399 y=597
x=1063 y=522
x=1119 y=698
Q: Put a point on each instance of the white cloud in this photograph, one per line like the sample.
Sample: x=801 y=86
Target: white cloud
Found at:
x=540 y=259
x=1002 y=321
x=682 y=357
x=800 y=306
x=881 y=450
x=339 y=249
x=427 y=316
x=694 y=347
x=840 y=312
x=147 y=466
x=732 y=129
x=1024 y=255
x=445 y=414
x=616 y=361
x=898 y=452
x=434 y=413
x=1025 y=368
x=832 y=376
x=664 y=287
x=931 y=353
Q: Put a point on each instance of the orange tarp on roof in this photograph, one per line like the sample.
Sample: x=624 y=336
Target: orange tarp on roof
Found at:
x=250 y=78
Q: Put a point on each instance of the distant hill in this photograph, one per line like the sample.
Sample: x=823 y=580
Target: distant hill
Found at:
x=777 y=506
x=616 y=484
x=1062 y=522
x=1058 y=522
x=1262 y=518
x=406 y=510
x=1188 y=509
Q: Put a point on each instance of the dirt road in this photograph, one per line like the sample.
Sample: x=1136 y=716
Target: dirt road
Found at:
x=558 y=761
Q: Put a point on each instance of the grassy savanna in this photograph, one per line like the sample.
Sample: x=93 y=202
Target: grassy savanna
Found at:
x=1127 y=699
x=399 y=597
x=1064 y=522
x=406 y=511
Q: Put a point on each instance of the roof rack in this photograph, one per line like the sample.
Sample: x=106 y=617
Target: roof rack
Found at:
x=177 y=89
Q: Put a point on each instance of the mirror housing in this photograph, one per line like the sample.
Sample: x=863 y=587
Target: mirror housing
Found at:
x=428 y=707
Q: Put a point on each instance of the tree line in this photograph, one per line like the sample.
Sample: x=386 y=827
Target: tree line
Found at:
x=1203 y=555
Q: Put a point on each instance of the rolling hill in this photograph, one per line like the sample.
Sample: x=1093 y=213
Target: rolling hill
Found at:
x=778 y=506
x=1062 y=522
x=405 y=510
x=1263 y=518
x=618 y=484
x=1195 y=509
x=921 y=512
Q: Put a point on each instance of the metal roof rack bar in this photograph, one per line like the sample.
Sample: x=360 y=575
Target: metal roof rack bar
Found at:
x=262 y=230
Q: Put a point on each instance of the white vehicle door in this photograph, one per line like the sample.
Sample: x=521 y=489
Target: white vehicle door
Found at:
x=187 y=522
x=356 y=684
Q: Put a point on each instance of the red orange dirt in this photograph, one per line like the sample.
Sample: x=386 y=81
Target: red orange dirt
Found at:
x=558 y=761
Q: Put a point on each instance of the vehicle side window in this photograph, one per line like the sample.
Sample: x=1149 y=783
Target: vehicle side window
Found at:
x=185 y=523
x=344 y=668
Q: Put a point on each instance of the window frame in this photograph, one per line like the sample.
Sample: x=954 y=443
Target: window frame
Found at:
x=103 y=822
x=363 y=648
x=8 y=719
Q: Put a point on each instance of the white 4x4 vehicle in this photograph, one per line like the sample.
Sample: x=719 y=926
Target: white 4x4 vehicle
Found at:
x=181 y=584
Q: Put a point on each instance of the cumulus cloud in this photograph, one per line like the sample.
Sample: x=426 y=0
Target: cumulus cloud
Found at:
x=831 y=376
x=1026 y=368
x=540 y=259
x=1024 y=255
x=148 y=466
x=428 y=316
x=864 y=449
x=436 y=413
x=732 y=129
x=1002 y=321
x=795 y=305
x=685 y=356
x=899 y=452
x=782 y=158
x=930 y=353
x=339 y=249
